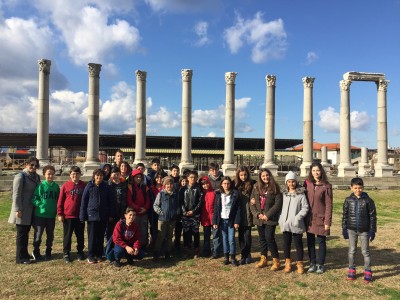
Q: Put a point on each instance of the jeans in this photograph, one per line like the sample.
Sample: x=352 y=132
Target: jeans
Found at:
x=228 y=237
x=120 y=252
x=321 y=240
x=217 y=241
x=245 y=240
x=142 y=222
x=298 y=242
x=22 y=240
x=266 y=235
x=40 y=225
x=207 y=240
x=353 y=239
x=96 y=231
x=69 y=227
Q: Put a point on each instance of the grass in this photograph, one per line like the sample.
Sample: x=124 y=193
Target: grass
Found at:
x=183 y=277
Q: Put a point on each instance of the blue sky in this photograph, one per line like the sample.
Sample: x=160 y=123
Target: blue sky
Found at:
x=288 y=39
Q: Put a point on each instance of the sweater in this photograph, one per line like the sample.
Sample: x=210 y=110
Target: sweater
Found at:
x=294 y=209
x=45 y=199
x=124 y=235
x=69 y=200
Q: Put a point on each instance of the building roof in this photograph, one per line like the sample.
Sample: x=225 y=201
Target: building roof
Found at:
x=330 y=147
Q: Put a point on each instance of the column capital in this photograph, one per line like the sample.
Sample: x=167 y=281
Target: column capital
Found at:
x=141 y=75
x=94 y=69
x=308 y=82
x=44 y=65
x=270 y=80
x=187 y=74
x=382 y=85
x=345 y=85
x=230 y=77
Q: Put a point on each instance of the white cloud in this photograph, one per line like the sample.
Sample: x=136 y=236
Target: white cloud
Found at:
x=329 y=120
x=180 y=6
x=164 y=118
x=311 y=57
x=211 y=134
x=267 y=39
x=200 y=30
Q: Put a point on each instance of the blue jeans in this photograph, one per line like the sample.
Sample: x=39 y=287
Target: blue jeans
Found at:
x=321 y=241
x=228 y=237
x=217 y=241
x=120 y=252
x=353 y=238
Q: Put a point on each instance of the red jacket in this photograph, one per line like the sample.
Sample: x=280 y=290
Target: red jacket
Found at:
x=124 y=235
x=141 y=198
x=207 y=209
x=69 y=200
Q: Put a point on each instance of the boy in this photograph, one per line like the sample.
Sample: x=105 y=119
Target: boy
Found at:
x=45 y=203
x=175 y=175
x=126 y=237
x=359 y=220
x=215 y=176
x=69 y=204
x=142 y=169
x=156 y=167
x=118 y=158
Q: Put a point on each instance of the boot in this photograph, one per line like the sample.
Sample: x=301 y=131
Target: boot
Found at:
x=263 y=262
x=242 y=260
x=226 y=259
x=288 y=267
x=234 y=262
x=275 y=264
x=300 y=267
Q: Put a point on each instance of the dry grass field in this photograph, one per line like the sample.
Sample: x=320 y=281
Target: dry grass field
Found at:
x=186 y=278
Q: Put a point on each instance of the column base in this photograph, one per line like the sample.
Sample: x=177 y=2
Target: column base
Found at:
x=305 y=169
x=229 y=170
x=272 y=167
x=346 y=170
x=364 y=170
x=383 y=170
x=89 y=167
x=327 y=167
x=185 y=165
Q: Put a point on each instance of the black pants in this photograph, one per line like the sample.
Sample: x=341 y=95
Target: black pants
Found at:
x=110 y=229
x=245 y=240
x=266 y=235
x=71 y=226
x=321 y=240
x=178 y=234
x=287 y=243
x=41 y=225
x=187 y=239
x=22 y=242
x=96 y=231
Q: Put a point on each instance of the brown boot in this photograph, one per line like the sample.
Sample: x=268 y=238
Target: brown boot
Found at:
x=300 y=267
x=288 y=267
x=275 y=264
x=263 y=262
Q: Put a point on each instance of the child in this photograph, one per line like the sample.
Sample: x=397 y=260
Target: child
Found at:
x=291 y=221
x=190 y=197
x=178 y=223
x=359 y=220
x=126 y=171
x=68 y=206
x=215 y=176
x=155 y=188
x=145 y=179
x=118 y=158
x=45 y=203
x=126 y=238
x=175 y=175
x=266 y=205
x=226 y=218
x=244 y=185
x=107 y=171
x=97 y=208
x=156 y=167
x=206 y=215
x=167 y=207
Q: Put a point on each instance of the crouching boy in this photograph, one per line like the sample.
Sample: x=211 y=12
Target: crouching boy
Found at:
x=126 y=237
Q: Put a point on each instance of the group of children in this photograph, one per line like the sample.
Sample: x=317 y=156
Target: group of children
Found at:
x=137 y=213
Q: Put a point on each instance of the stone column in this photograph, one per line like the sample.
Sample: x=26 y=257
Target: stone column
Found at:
x=228 y=167
x=308 y=148
x=324 y=160
x=382 y=168
x=345 y=168
x=269 y=146
x=92 y=153
x=42 y=134
x=140 y=147
x=364 y=168
x=186 y=156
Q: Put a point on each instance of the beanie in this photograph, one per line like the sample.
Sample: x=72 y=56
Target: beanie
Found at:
x=167 y=179
x=290 y=175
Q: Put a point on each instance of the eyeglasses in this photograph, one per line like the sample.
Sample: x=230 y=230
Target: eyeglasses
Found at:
x=33 y=165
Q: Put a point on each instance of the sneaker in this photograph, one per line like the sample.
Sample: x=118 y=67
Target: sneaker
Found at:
x=130 y=261
x=26 y=261
x=249 y=260
x=48 y=256
x=320 y=269
x=351 y=274
x=81 y=256
x=312 y=268
x=117 y=263
x=242 y=261
x=367 y=276
x=37 y=256
x=91 y=260
x=67 y=260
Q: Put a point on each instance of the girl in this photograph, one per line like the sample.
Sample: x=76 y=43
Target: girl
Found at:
x=206 y=214
x=266 y=200
x=291 y=221
x=155 y=188
x=126 y=170
x=244 y=185
x=226 y=218
x=319 y=218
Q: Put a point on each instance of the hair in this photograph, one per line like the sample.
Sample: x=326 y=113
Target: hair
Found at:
x=174 y=167
x=130 y=209
x=272 y=187
x=115 y=170
x=156 y=160
x=186 y=172
x=193 y=172
x=140 y=165
x=323 y=178
x=33 y=159
x=98 y=172
x=105 y=166
x=168 y=179
x=128 y=167
x=181 y=179
x=75 y=169
x=46 y=168
x=357 y=181
x=119 y=151
x=230 y=181
x=157 y=174
x=240 y=185
x=213 y=166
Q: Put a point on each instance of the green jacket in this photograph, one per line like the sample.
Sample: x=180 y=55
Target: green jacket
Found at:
x=45 y=199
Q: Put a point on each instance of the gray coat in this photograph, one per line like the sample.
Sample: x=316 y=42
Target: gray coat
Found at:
x=294 y=209
x=24 y=186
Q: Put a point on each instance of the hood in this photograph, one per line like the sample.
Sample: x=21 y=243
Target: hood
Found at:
x=207 y=179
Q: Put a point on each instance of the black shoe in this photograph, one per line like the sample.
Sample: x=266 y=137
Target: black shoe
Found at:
x=226 y=259
x=37 y=256
x=234 y=262
x=48 y=256
x=67 y=260
x=130 y=262
x=117 y=263
x=81 y=256
x=242 y=261
x=26 y=261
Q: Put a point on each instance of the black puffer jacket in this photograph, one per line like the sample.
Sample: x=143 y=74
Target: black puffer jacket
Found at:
x=359 y=214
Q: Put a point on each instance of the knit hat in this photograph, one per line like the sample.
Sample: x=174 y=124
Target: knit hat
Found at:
x=167 y=179
x=290 y=175
x=136 y=172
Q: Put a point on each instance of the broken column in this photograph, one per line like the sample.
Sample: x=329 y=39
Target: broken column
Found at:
x=364 y=169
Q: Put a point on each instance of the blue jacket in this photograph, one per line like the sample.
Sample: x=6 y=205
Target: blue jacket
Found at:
x=167 y=206
x=235 y=212
x=97 y=203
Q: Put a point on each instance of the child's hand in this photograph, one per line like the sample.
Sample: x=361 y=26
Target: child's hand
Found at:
x=129 y=250
x=18 y=214
x=215 y=226
x=345 y=234
x=189 y=213
x=371 y=235
x=253 y=201
x=236 y=226
x=327 y=227
x=136 y=251
x=61 y=218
